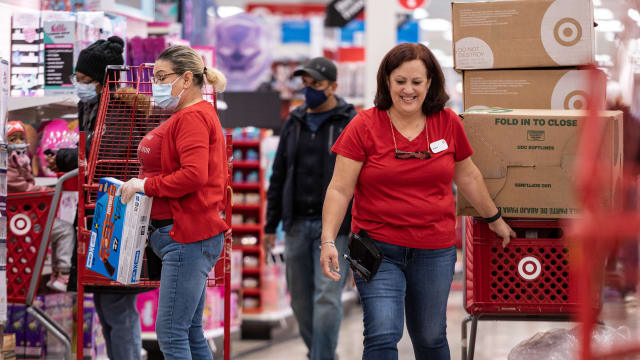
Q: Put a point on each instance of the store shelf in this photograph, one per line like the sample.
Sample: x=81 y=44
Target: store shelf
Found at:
x=245 y=228
x=209 y=334
x=251 y=291
x=246 y=143
x=251 y=270
x=25 y=102
x=246 y=186
x=246 y=207
x=246 y=164
x=248 y=248
x=270 y=316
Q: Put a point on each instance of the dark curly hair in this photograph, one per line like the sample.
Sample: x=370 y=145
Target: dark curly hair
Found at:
x=436 y=95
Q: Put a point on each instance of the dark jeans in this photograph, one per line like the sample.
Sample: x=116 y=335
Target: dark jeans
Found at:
x=415 y=281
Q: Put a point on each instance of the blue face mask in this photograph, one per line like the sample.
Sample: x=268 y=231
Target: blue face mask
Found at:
x=86 y=92
x=314 y=98
x=162 y=95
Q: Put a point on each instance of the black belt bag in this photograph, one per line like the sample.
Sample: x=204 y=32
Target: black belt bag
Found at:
x=153 y=268
x=364 y=255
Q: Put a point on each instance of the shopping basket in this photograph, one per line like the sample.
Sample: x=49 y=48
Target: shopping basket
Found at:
x=126 y=114
x=30 y=219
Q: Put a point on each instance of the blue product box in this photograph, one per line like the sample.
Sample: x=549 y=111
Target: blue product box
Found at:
x=118 y=234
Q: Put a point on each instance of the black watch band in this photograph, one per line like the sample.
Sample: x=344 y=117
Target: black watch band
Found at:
x=495 y=217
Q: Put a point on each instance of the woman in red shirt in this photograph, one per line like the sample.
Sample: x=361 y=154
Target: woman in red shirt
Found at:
x=184 y=169
x=398 y=160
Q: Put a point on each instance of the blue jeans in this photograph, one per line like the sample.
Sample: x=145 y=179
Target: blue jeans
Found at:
x=120 y=324
x=315 y=299
x=183 y=283
x=415 y=281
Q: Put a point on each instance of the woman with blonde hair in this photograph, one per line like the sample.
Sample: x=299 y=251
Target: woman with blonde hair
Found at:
x=184 y=169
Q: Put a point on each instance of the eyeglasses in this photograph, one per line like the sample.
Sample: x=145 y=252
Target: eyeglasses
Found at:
x=406 y=155
x=161 y=77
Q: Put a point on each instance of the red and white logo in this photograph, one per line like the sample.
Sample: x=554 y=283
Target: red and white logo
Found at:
x=411 y=4
x=20 y=224
x=529 y=268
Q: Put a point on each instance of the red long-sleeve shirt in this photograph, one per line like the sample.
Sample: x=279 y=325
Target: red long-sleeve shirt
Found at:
x=194 y=170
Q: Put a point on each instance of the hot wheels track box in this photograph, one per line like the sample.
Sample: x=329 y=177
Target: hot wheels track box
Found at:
x=118 y=234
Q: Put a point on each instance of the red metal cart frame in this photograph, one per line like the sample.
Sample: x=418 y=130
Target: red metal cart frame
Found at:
x=25 y=215
x=126 y=114
x=598 y=228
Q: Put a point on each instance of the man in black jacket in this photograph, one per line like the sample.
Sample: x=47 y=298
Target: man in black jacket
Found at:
x=302 y=170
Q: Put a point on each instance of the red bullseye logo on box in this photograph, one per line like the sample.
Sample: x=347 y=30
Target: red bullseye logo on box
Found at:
x=20 y=224
x=529 y=268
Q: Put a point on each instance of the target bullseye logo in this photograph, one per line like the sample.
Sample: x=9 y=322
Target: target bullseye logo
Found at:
x=567 y=31
x=576 y=100
x=20 y=224
x=529 y=268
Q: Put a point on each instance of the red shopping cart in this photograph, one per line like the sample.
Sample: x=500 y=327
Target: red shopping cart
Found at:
x=30 y=218
x=126 y=114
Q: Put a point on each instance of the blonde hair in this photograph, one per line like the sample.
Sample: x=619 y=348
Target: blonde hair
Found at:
x=184 y=58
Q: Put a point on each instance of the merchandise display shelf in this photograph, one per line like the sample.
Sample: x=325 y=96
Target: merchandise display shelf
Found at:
x=25 y=102
x=251 y=270
x=246 y=228
x=246 y=143
x=240 y=164
x=208 y=334
x=251 y=291
x=245 y=186
x=246 y=207
x=248 y=248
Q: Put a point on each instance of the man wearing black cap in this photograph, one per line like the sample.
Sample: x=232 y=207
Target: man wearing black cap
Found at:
x=302 y=171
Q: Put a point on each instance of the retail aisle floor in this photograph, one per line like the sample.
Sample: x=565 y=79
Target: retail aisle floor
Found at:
x=495 y=339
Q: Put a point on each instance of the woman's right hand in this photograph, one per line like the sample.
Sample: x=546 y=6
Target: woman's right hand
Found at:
x=51 y=163
x=328 y=257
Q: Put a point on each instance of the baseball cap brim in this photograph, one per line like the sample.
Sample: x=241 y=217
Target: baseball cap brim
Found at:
x=314 y=74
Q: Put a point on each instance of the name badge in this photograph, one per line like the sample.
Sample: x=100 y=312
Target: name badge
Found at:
x=438 y=146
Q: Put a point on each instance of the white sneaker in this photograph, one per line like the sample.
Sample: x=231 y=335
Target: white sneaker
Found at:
x=58 y=282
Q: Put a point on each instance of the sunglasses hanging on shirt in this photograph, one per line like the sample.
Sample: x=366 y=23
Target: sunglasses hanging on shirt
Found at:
x=405 y=155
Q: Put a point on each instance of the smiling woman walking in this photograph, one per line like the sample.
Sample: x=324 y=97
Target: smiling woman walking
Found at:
x=398 y=160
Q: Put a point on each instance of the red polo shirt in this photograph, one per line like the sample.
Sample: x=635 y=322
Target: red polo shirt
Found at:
x=404 y=202
x=194 y=173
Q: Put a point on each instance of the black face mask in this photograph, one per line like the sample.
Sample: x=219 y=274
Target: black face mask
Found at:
x=314 y=98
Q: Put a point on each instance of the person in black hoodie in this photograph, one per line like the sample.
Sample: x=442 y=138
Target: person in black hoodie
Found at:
x=302 y=171
x=116 y=306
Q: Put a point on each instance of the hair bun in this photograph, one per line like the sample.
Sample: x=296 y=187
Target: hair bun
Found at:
x=116 y=43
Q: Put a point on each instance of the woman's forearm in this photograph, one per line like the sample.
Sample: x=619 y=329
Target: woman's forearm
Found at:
x=333 y=211
x=471 y=185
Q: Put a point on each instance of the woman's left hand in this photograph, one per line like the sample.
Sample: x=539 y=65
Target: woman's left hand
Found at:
x=128 y=189
x=503 y=230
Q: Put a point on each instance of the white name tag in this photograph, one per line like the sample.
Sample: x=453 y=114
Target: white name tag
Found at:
x=438 y=146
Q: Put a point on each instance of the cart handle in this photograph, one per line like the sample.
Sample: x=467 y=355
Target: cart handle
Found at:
x=53 y=209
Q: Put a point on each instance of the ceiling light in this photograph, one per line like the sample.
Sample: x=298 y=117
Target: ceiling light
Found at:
x=420 y=13
x=226 y=11
x=597 y=3
x=602 y=14
x=610 y=25
x=435 y=25
x=634 y=14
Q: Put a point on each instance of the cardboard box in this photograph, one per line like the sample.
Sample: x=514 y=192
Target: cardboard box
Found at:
x=118 y=234
x=522 y=33
x=564 y=89
x=9 y=347
x=527 y=159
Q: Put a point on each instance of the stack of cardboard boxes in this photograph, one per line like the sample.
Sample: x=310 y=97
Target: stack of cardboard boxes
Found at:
x=527 y=54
